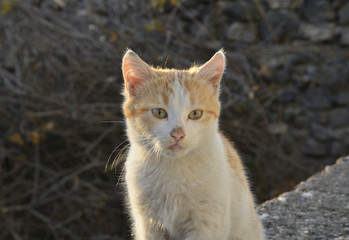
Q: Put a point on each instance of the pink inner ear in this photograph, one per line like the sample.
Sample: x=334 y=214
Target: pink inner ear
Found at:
x=135 y=71
x=133 y=77
x=213 y=70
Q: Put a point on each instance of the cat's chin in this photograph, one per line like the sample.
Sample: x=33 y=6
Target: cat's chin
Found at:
x=175 y=151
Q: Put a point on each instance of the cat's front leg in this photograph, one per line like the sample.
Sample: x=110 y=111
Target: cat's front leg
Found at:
x=207 y=231
x=204 y=235
x=146 y=229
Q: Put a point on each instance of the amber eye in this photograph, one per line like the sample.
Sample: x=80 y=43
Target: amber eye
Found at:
x=195 y=114
x=159 y=113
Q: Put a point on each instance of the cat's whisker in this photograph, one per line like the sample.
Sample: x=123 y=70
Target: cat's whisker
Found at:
x=118 y=157
x=112 y=121
x=112 y=153
x=158 y=152
x=121 y=174
x=149 y=152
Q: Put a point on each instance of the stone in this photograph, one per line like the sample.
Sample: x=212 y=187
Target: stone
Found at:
x=343 y=99
x=344 y=14
x=280 y=25
x=339 y=117
x=316 y=11
x=320 y=132
x=242 y=11
x=316 y=209
x=345 y=36
x=288 y=95
x=341 y=134
x=98 y=7
x=318 y=32
x=242 y=32
x=317 y=98
x=278 y=128
x=291 y=113
x=60 y=3
x=337 y=149
x=10 y=61
x=314 y=148
x=302 y=120
x=321 y=117
x=291 y=4
x=299 y=134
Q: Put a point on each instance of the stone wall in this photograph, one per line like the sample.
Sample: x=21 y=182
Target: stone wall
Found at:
x=286 y=89
x=298 y=53
x=288 y=20
x=317 y=209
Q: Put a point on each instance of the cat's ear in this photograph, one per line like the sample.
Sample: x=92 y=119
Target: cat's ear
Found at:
x=212 y=71
x=135 y=72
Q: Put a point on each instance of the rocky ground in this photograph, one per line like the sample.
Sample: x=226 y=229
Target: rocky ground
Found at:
x=285 y=97
x=317 y=209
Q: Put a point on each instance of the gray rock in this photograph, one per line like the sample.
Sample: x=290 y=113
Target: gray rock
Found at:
x=299 y=134
x=10 y=61
x=317 y=98
x=318 y=32
x=337 y=149
x=345 y=36
x=278 y=128
x=302 y=120
x=344 y=14
x=339 y=117
x=343 y=98
x=320 y=132
x=241 y=11
x=341 y=134
x=291 y=112
x=288 y=95
x=321 y=117
x=316 y=11
x=291 y=4
x=96 y=7
x=316 y=209
x=242 y=32
x=280 y=25
x=314 y=148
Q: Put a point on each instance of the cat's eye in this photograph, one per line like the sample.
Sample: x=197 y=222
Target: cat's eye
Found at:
x=159 y=113
x=195 y=114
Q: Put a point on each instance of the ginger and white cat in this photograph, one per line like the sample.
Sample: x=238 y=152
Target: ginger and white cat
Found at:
x=184 y=179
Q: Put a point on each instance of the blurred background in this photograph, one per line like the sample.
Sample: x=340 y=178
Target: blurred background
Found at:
x=285 y=98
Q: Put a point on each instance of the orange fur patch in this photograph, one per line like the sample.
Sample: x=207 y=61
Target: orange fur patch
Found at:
x=215 y=115
x=234 y=160
x=135 y=112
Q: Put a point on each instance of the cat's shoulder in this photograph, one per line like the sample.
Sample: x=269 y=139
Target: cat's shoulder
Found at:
x=232 y=154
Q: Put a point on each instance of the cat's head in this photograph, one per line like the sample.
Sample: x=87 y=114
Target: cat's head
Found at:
x=171 y=112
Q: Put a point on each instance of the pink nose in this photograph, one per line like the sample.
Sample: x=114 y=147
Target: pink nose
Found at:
x=177 y=134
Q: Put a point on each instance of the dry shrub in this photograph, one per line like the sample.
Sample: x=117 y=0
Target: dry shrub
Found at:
x=60 y=111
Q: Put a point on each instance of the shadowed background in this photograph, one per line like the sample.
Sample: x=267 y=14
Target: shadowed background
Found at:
x=285 y=98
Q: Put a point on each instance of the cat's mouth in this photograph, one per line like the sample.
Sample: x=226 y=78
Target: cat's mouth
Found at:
x=175 y=147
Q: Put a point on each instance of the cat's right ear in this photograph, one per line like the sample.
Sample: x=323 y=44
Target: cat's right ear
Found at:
x=135 y=72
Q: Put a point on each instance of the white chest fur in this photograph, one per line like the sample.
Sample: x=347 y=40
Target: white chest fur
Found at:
x=179 y=194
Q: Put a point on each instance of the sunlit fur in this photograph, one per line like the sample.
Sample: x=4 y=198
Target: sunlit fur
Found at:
x=195 y=191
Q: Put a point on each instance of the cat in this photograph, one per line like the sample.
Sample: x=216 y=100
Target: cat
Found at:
x=184 y=179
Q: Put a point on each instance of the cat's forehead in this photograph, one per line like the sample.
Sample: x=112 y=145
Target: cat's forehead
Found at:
x=178 y=86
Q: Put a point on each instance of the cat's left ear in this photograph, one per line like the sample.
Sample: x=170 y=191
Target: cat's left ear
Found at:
x=136 y=72
x=212 y=71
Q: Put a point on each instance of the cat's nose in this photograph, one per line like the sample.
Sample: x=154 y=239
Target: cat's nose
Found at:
x=178 y=134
